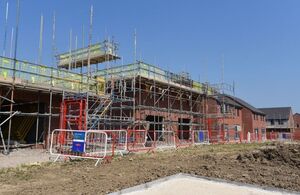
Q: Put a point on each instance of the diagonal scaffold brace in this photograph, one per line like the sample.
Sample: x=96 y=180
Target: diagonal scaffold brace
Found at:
x=1 y=134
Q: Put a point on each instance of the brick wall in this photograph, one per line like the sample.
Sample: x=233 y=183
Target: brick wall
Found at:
x=251 y=122
x=235 y=119
x=297 y=126
x=297 y=122
x=259 y=123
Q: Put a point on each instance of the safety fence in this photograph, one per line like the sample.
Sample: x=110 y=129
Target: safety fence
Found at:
x=164 y=139
x=139 y=140
x=215 y=136
x=105 y=144
x=280 y=136
x=91 y=144
x=143 y=140
x=116 y=142
x=231 y=135
x=79 y=144
x=225 y=136
x=184 y=138
x=201 y=137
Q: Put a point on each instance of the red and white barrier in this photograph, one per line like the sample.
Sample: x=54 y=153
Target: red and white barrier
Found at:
x=89 y=144
x=165 y=139
x=184 y=138
x=116 y=142
x=139 y=140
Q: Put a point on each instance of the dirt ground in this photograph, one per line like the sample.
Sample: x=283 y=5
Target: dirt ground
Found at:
x=271 y=165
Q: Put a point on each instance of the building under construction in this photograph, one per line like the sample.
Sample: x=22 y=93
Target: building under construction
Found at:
x=35 y=99
x=158 y=107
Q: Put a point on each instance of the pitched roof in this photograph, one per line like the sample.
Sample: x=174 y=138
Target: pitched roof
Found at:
x=246 y=105
x=224 y=98
x=277 y=112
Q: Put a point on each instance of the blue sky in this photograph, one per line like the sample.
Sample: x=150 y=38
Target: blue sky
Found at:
x=260 y=39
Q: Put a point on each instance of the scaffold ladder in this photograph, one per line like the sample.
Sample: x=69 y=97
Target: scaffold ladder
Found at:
x=101 y=107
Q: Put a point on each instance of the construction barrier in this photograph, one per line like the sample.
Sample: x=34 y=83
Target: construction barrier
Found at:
x=139 y=140
x=164 y=139
x=104 y=144
x=116 y=142
x=280 y=136
x=201 y=137
x=285 y=136
x=184 y=138
x=253 y=137
x=232 y=135
x=91 y=144
x=216 y=136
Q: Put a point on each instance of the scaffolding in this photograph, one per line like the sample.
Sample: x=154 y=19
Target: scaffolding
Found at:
x=136 y=97
x=25 y=84
x=167 y=106
x=86 y=111
x=95 y=54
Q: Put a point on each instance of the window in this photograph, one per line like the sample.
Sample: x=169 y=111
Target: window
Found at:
x=280 y=122
x=298 y=125
x=237 y=132
x=272 y=122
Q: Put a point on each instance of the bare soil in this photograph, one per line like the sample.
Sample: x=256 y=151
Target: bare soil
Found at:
x=270 y=165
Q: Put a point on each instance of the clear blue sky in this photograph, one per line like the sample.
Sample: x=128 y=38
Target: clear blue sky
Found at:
x=260 y=39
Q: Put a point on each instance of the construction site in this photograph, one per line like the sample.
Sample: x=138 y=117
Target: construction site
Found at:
x=155 y=107
x=89 y=105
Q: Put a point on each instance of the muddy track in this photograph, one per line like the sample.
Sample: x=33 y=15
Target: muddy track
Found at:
x=272 y=165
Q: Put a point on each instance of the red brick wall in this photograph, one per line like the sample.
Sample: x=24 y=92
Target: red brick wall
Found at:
x=297 y=126
x=259 y=123
x=297 y=122
x=252 y=122
x=247 y=122
x=212 y=106
x=236 y=119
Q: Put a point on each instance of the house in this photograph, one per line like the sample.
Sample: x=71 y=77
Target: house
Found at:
x=253 y=121
x=225 y=121
x=238 y=118
x=279 y=119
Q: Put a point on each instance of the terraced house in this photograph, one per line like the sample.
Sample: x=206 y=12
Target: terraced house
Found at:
x=279 y=119
x=239 y=119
